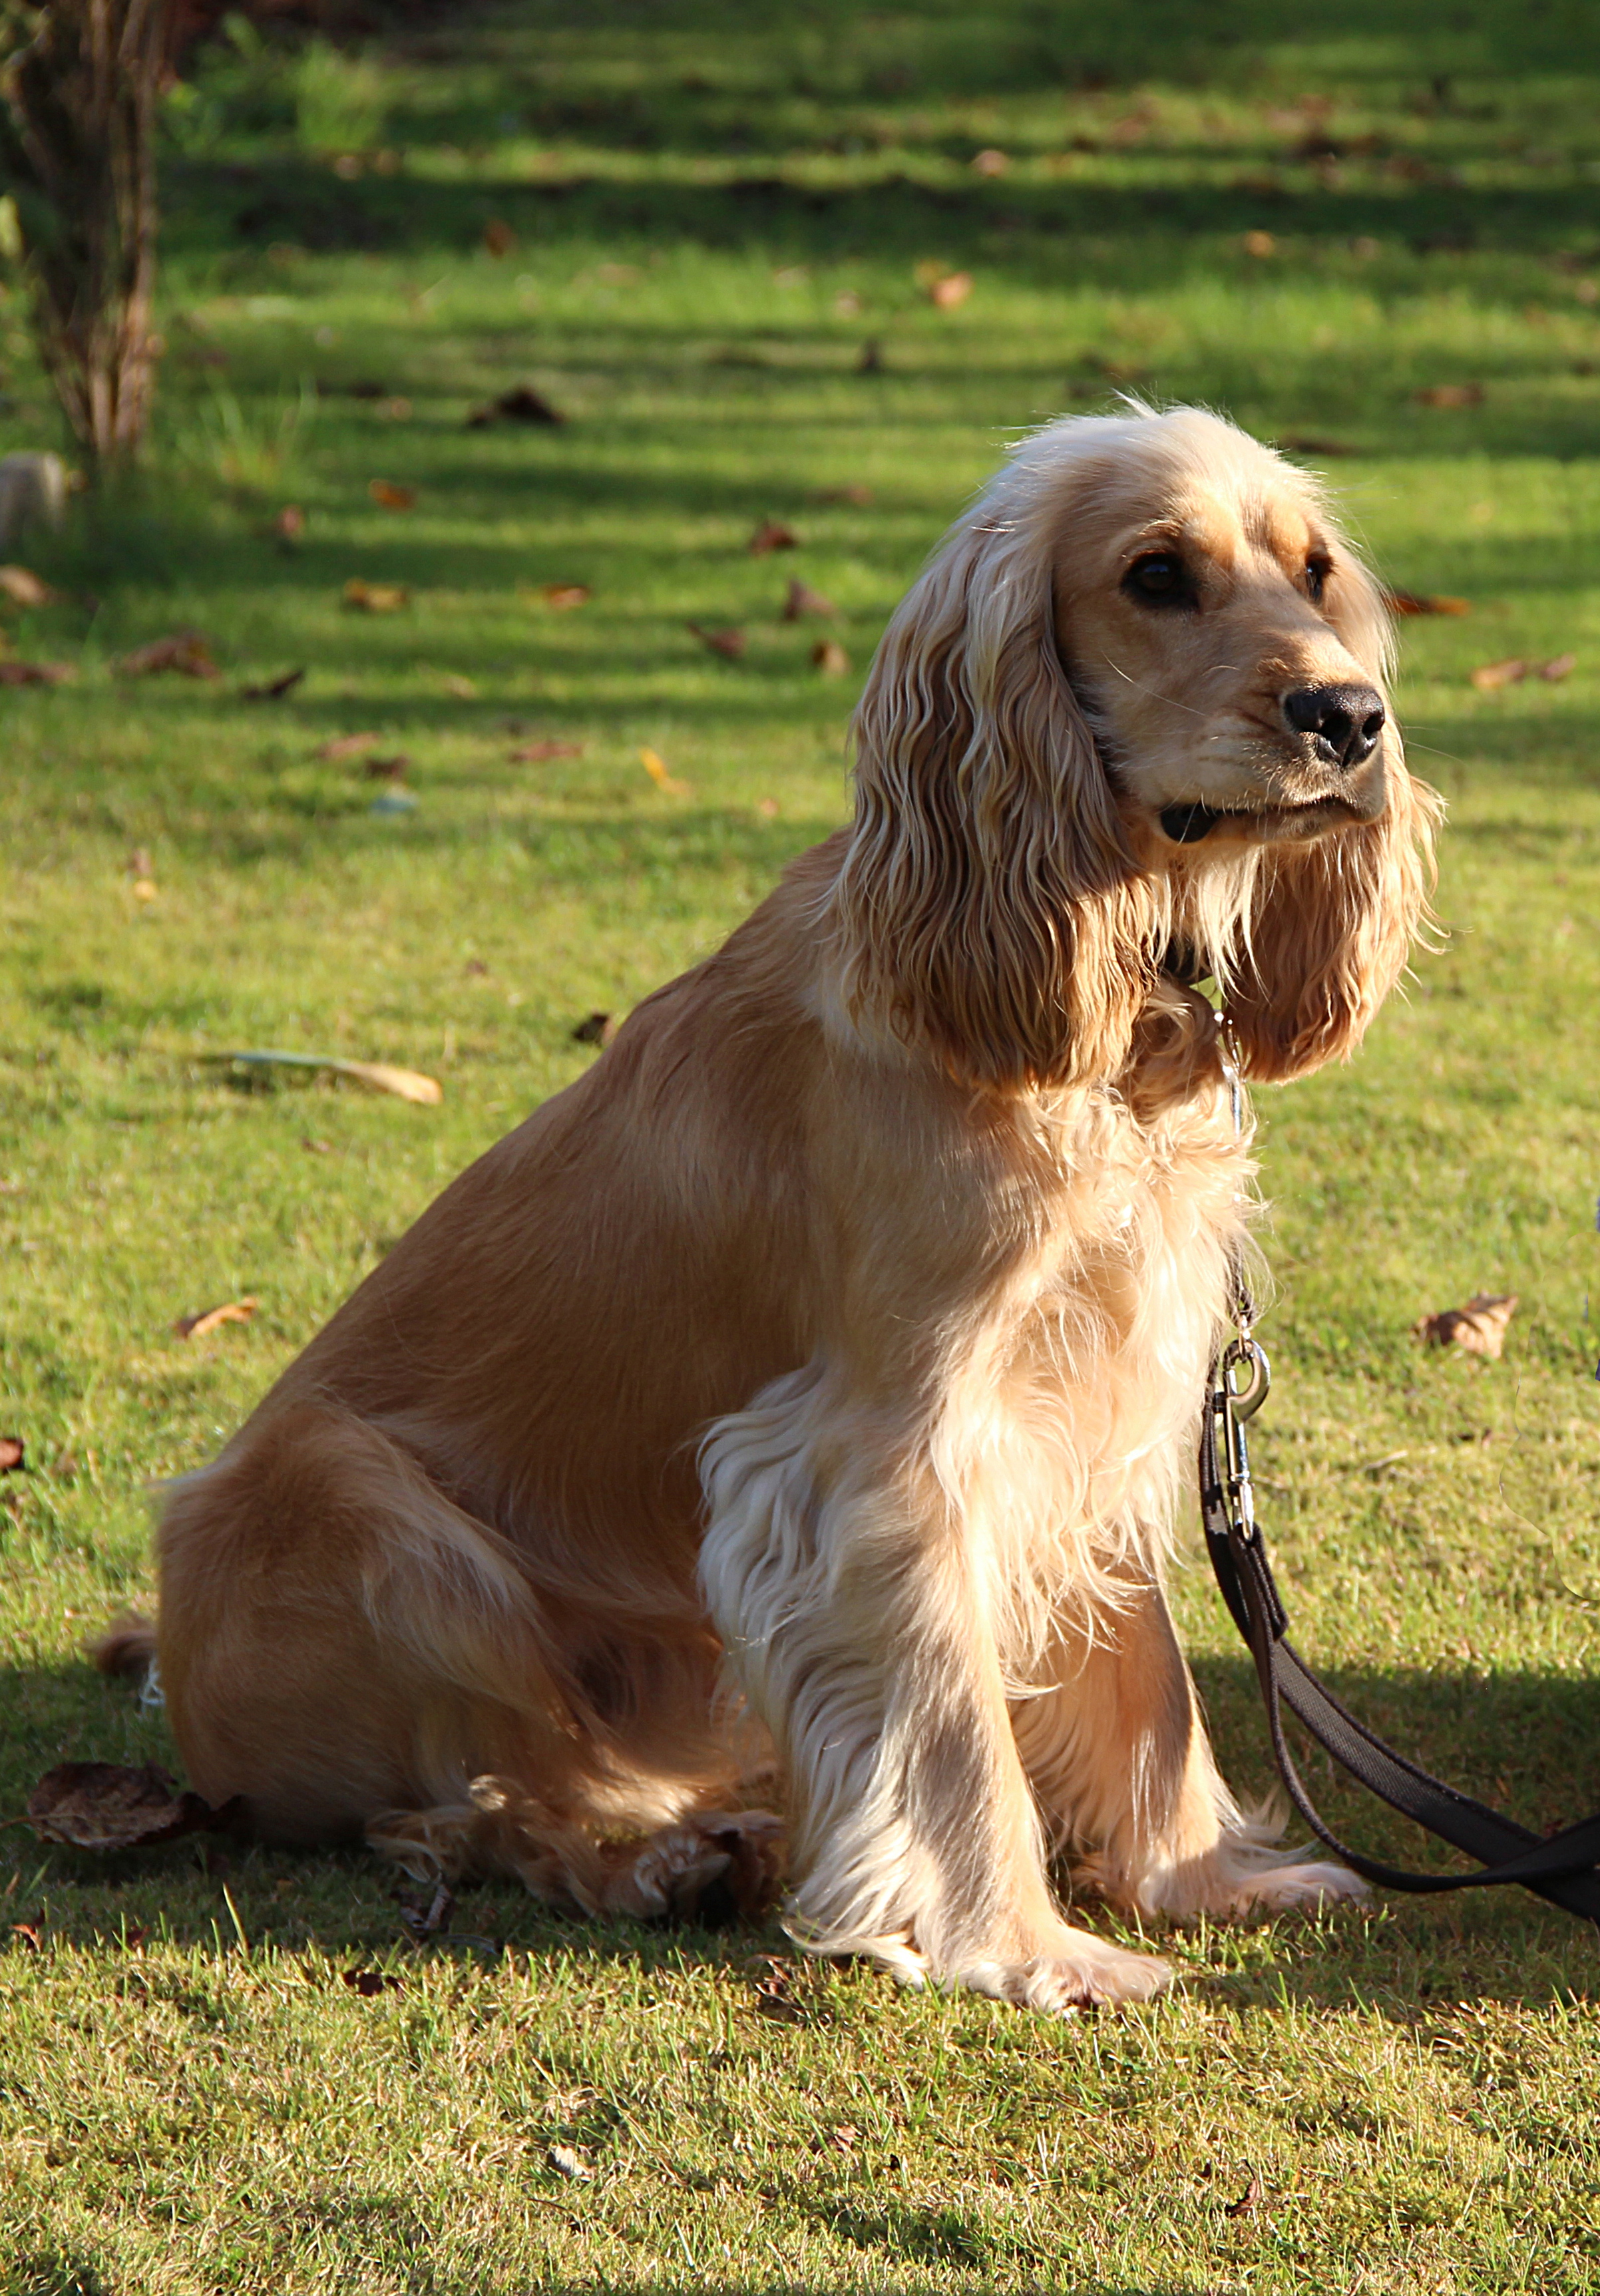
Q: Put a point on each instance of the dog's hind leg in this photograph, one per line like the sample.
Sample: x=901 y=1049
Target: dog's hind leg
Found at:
x=1121 y=1765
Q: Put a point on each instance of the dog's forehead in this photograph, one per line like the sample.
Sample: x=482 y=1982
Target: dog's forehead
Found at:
x=1230 y=505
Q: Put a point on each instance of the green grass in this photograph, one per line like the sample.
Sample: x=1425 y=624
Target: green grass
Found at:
x=191 y=2098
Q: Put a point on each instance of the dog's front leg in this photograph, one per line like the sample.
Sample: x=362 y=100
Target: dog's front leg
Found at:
x=836 y=1570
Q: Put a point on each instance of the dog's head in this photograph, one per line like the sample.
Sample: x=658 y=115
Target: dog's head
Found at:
x=1135 y=704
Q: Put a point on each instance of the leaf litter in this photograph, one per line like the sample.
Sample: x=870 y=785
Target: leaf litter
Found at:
x=1479 y=1327
x=662 y=774
x=110 y=1806
x=212 y=1319
x=405 y=1084
x=186 y=652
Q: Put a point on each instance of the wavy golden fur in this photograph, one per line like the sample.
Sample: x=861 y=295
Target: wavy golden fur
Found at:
x=813 y=1383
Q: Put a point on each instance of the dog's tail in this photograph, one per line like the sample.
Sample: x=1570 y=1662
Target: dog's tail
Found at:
x=126 y=1649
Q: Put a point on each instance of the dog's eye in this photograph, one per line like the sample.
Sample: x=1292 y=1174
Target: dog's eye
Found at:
x=1317 y=569
x=1158 y=579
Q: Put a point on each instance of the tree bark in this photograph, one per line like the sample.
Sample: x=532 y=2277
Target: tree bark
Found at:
x=82 y=97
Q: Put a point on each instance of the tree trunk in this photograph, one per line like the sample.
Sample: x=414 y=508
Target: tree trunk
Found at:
x=83 y=96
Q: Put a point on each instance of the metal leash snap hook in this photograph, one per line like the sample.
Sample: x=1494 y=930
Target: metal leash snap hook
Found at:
x=1243 y=1401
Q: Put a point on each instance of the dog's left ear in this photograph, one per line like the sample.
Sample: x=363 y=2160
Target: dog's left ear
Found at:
x=988 y=903
x=1332 y=923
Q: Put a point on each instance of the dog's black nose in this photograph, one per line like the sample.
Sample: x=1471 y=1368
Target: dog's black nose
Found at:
x=1346 y=720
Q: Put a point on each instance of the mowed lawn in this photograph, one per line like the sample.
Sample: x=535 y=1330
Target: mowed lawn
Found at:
x=1375 y=239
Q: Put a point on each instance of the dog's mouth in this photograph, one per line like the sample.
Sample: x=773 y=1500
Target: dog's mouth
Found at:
x=1192 y=824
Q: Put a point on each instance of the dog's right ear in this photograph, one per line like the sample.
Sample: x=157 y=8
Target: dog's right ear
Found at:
x=990 y=905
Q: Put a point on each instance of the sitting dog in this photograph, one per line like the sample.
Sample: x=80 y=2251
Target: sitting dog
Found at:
x=813 y=1380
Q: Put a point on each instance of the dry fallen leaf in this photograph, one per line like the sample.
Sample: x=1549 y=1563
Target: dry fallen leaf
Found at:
x=802 y=600
x=388 y=769
x=1490 y=676
x=562 y=597
x=36 y=673
x=107 y=1806
x=390 y=496
x=347 y=745
x=1560 y=666
x=405 y=1084
x=498 y=237
x=376 y=597
x=1479 y=1328
x=595 y=1029
x=369 y=1982
x=948 y=293
x=858 y=497
x=990 y=163
x=289 y=523
x=1450 y=394
x=26 y=1935
x=186 y=652
x=772 y=535
x=24 y=587
x=1414 y=602
x=659 y=773
x=272 y=689
x=831 y=658
x=232 y=1311
x=521 y=404
x=1259 y=244
x=540 y=753
x=1249 y=2200
x=730 y=644
x=571 y=2164
x=13 y=1454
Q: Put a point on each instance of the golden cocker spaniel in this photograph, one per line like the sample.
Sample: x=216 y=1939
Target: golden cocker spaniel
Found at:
x=813 y=1381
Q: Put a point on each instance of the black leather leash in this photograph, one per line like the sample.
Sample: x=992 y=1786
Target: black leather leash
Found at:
x=1563 y=1867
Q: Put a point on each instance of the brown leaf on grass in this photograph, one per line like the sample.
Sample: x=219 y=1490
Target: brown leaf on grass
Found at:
x=1479 y=1328
x=27 y=1936
x=570 y=2163
x=370 y=1983
x=13 y=1454
x=1419 y=602
x=375 y=597
x=540 y=753
x=212 y=1319
x=730 y=644
x=564 y=598
x=390 y=496
x=289 y=523
x=272 y=689
x=990 y=162
x=107 y=1806
x=393 y=768
x=773 y=1979
x=521 y=404
x=948 y=293
x=858 y=497
x=1560 y=666
x=802 y=600
x=595 y=1029
x=36 y=673
x=1249 y=2200
x=345 y=745
x=186 y=652
x=831 y=659
x=1450 y=394
x=660 y=774
x=405 y=1084
x=1490 y=676
x=772 y=535
x=1259 y=244
x=498 y=237
x=24 y=587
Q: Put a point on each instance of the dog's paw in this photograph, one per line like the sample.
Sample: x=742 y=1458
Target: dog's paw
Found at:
x=1079 y=1971
x=710 y=1864
x=1276 y=1889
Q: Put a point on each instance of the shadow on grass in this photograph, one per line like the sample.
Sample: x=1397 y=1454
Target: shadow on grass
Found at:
x=1528 y=1743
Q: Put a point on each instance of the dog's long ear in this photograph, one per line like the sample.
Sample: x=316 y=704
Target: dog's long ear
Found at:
x=990 y=905
x=1332 y=923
